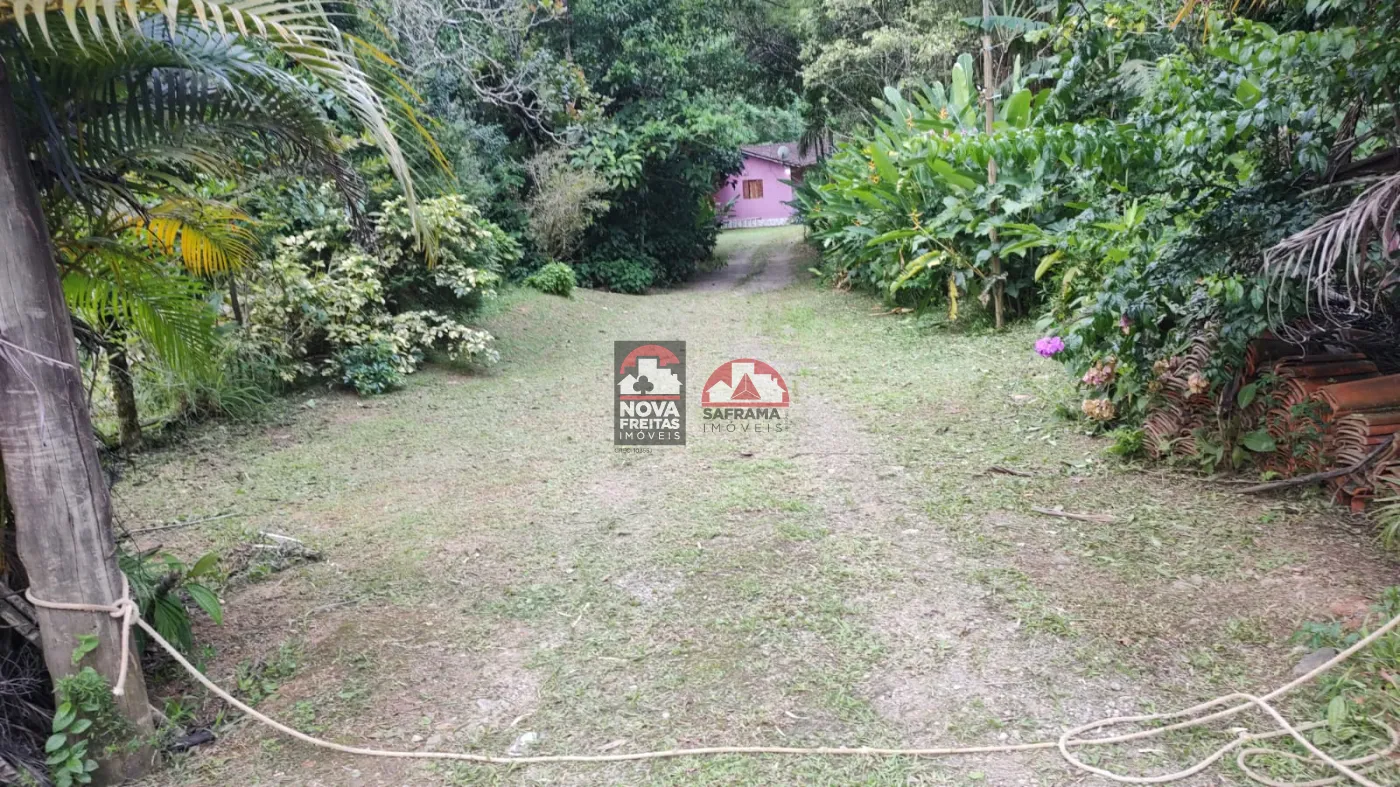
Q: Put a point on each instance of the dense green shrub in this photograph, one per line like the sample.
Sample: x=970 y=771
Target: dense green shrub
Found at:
x=661 y=216
x=679 y=83
x=472 y=254
x=555 y=278
x=369 y=368
x=321 y=294
x=620 y=275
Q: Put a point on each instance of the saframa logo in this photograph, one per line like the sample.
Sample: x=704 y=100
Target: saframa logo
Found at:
x=745 y=395
x=649 y=386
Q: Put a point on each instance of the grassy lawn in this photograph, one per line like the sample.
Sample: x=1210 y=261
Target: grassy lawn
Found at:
x=493 y=567
x=735 y=241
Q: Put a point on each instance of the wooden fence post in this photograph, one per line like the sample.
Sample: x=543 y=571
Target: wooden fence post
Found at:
x=62 y=511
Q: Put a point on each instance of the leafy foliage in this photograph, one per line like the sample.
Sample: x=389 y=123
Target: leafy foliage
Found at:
x=661 y=219
x=140 y=115
x=116 y=284
x=1362 y=690
x=854 y=49
x=159 y=583
x=908 y=210
x=567 y=199
x=161 y=92
x=370 y=368
x=85 y=717
x=1144 y=172
x=184 y=150
x=322 y=295
x=619 y=275
x=681 y=95
x=556 y=278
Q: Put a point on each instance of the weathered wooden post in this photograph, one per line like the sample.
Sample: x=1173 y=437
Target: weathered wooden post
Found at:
x=54 y=481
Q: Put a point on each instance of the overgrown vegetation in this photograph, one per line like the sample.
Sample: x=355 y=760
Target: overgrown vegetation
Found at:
x=235 y=218
x=1361 y=696
x=1153 y=171
x=240 y=239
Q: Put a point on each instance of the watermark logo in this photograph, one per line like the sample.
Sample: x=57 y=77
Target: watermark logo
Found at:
x=649 y=386
x=745 y=395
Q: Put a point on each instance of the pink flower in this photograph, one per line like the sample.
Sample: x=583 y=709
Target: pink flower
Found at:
x=1124 y=324
x=1101 y=373
x=1049 y=346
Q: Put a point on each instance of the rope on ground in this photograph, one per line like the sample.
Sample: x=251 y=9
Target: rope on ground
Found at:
x=126 y=611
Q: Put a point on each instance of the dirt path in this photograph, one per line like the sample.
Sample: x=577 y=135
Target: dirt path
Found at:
x=757 y=260
x=494 y=568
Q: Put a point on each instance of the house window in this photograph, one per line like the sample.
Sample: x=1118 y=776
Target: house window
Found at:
x=753 y=189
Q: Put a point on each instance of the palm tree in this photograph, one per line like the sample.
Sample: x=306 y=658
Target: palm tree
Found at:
x=54 y=481
x=113 y=130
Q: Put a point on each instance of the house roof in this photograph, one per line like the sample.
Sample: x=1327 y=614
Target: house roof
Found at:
x=770 y=151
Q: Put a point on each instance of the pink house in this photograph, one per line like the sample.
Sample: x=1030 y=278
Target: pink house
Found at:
x=756 y=196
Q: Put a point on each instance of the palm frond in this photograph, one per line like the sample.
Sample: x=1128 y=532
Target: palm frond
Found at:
x=301 y=30
x=115 y=284
x=1334 y=258
x=208 y=237
x=172 y=102
x=1136 y=76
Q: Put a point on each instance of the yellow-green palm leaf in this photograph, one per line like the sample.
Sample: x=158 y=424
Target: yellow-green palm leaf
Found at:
x=107 y=282
x=208 y=238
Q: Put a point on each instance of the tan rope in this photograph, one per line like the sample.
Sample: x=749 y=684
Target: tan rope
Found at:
x=126 y=611
x=123 y=609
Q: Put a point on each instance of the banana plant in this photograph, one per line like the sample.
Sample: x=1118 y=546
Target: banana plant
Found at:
x=908 y=208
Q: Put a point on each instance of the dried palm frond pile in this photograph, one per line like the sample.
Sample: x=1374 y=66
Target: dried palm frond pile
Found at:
x=26 y=712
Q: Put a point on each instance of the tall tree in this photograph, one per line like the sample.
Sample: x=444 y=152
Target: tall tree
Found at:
x=852 y=49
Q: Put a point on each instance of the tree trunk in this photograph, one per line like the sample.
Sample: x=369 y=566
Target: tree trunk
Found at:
x=124 y=392
x=998 y=286
x=62 y=512
x=233 y=299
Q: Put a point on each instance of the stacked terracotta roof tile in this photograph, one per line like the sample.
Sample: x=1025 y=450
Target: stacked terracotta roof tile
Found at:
x=1182 y=404
x=1362 y=415
x=1324 y=410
